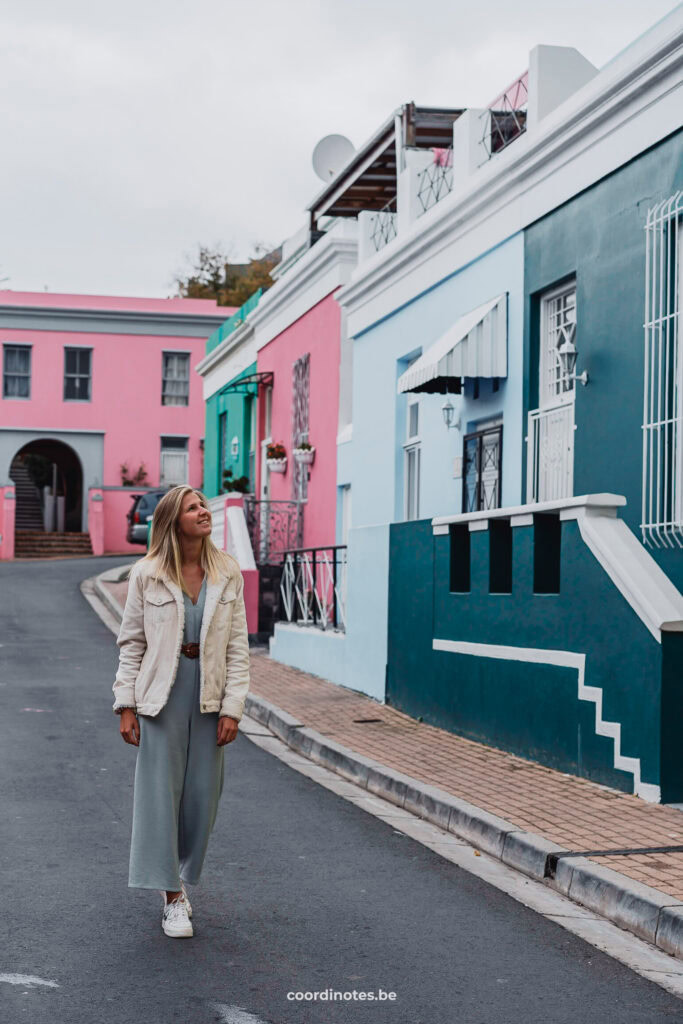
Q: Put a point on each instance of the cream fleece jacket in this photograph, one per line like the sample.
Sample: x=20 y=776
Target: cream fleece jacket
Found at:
x=151 y=635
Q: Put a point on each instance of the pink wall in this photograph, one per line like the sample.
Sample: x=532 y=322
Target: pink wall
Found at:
x=116 y=505
x=317 y=332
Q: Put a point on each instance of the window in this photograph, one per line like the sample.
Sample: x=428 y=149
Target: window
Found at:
x=174 y=461
x=301 y=379
x=222 y=448
x=662 y=508
x=411 y=458
x=175 y=380
x=77 y=374
x=16 y=371
x=482 y=469
x=558 y=325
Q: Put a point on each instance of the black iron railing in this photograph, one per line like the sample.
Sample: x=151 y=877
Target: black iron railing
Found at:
x=275 y=527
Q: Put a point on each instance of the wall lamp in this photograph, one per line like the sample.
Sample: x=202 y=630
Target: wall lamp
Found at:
x=567 y=354
x=448 y=411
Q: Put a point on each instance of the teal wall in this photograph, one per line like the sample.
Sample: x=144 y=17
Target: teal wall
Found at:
x=236 y=406
x=599 y=237
x=532 y=709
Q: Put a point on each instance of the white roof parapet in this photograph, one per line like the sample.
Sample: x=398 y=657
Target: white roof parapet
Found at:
x=475 y=346
x=631 y=568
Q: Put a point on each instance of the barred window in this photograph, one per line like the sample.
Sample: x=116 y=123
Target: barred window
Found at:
x=662 y=508
x=16 y=371
x=77 y=374
x=175 y=384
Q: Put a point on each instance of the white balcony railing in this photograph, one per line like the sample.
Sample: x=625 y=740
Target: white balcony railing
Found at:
x=550 y=453
x=313 y=587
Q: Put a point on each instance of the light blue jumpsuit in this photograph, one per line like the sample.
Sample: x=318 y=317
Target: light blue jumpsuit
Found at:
x=178 y=778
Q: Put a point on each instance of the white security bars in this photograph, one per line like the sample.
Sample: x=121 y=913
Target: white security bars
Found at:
x=313 y=587
x=662 y=517
x=550 y=460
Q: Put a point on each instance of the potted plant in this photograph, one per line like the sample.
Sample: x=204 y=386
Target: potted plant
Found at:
x=276 y=457
x=304 y=453
x=239 y=484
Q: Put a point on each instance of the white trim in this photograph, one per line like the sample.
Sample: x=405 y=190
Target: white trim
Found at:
x=630 y=105
x=569 y=508
x=321 y=270
x=564 y=659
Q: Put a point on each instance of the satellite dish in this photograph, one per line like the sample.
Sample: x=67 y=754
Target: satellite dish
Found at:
x=330 y=155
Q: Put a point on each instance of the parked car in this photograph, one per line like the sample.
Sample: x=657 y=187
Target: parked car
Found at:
x=142 y=507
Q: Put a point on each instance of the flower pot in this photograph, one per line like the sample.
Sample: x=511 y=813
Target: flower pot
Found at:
x=277 y=465
x=304 y=455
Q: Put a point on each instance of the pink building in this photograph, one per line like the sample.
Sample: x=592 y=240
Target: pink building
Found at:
x=95 y=390
x=303 y=405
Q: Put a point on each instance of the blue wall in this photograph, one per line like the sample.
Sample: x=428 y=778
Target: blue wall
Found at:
x=533 y=709
x=599 y=236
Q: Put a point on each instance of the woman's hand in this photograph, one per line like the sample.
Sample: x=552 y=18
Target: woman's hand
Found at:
x=227 y=730
x=130 y=727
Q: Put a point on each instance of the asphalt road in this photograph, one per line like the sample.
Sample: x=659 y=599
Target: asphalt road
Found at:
x=302 y=891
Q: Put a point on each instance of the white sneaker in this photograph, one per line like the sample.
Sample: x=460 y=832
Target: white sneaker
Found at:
x=175 y=922
x=162 y=893
x=187 y=899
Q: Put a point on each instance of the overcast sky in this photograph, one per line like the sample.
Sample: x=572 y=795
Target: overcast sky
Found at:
x=134 y=130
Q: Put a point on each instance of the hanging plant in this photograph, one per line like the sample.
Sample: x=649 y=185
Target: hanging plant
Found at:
x=276 y=457
x=304 y=453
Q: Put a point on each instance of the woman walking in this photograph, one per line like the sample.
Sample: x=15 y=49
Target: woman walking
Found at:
x=180 y=688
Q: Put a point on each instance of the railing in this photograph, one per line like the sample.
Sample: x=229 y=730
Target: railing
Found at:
x=275 y=527
x=436 y=180
x=383 y=226
x=313 y=587
x=505 y=119
x=550 y=453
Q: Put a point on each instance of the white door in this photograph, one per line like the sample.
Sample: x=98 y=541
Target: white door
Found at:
x=551 y=426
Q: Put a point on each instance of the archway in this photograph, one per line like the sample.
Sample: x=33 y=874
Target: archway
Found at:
x=47 y=463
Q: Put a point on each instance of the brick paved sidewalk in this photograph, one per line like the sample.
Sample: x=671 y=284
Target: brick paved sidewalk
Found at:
x=576 y=814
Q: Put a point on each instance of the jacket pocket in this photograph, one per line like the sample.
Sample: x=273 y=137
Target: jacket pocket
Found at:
x=159 y=607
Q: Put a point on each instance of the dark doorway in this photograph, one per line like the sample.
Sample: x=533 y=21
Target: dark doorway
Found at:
x=37 y=465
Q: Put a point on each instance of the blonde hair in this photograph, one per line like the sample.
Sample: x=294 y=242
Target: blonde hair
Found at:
x=164 y=544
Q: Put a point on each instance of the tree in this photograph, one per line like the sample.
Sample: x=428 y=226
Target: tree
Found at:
x=212 y=275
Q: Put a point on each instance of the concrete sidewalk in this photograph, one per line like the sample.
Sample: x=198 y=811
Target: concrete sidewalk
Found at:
x=552 y=826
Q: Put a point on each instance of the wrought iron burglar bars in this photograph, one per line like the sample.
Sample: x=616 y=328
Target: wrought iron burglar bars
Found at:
x=436 y=180
x=550 y=453
x=505 y=119
x=383 y=225
x=313 y=587
x=662 y=518
x=274 y=527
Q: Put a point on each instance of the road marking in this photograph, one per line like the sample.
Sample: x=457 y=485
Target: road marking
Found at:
x=640 y=956
x=27 y=979
x=236 y=1015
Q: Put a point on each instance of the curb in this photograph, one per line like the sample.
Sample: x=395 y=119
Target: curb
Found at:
x=640 y=909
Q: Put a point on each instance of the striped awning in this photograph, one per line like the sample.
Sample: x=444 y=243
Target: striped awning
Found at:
x=475 y=346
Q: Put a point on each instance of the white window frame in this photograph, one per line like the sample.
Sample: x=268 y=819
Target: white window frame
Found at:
x=5 y=374
x=78 y=376
x=662 y=498
x=166 y=379
x=548 y=395
x=412 y=452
